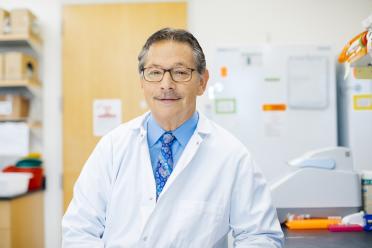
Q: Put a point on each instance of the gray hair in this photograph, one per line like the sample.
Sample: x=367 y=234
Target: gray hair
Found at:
x=179 y=35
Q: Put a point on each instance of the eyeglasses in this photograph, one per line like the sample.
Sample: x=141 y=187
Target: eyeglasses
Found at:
x=178 y=74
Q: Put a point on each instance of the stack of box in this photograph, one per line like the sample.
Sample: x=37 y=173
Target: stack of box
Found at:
x=17 y=65
x=4 y=17
x=4 y=20
x=367 y=191
x=22 y=21
x=20 y=66
x=2 y=65
x=18 y=21
x=13 y=107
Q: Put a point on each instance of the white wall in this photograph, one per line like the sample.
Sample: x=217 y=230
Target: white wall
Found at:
x=214 y=22
x=242 y=22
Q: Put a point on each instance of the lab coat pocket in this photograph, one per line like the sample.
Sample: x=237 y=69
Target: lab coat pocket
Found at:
x=198 y=221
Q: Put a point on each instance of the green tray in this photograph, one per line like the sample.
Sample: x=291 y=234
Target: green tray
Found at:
x=29 y=162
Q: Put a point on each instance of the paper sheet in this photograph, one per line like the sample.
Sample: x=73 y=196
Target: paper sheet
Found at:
x=308 y=82
x=106 y=115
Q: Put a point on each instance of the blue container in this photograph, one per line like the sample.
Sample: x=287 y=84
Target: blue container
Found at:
x=368 y=222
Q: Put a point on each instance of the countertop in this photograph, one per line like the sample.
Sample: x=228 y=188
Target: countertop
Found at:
x=6 y=198
x=326 y=239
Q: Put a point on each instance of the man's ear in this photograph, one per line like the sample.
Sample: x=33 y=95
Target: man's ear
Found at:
x=203 y=82
x=141 y=81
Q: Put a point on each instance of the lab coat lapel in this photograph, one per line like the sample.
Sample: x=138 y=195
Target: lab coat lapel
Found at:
x=146 y=163
x=189 y=152
x=149 y=180
x=184 y=160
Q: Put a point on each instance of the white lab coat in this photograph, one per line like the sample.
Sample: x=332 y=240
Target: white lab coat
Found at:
x=215 y=187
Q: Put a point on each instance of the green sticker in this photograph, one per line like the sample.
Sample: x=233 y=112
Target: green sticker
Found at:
x=225 y=106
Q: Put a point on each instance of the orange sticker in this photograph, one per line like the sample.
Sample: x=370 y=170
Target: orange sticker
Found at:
x=274 y=107
x=223 y=71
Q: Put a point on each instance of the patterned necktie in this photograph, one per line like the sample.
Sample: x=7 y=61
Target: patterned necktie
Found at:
x=164 y=165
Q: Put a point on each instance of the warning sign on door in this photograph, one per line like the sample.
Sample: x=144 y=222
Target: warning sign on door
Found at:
x=106 y=115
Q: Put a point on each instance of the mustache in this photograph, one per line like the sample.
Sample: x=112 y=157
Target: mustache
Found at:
x=168 y=95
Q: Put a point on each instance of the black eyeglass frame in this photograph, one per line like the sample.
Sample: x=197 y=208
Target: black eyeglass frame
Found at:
x=170 y=73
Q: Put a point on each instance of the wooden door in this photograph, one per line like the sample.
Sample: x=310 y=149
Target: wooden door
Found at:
x=100 y=47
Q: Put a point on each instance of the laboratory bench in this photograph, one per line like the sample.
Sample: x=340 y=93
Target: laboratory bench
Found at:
x=22 y=220
x=326 y=239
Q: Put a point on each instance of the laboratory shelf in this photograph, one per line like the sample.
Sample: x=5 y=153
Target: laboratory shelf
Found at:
x=30 y=123
x=21 y=40
x=33 y=86
x=8 y=119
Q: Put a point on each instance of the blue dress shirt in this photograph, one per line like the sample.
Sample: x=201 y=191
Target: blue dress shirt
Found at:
x=183 y=134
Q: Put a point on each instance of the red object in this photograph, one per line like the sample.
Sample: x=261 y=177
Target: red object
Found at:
x=36 y=181
x=345 y=228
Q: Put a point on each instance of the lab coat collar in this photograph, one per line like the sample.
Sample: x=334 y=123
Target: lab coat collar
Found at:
x=203 y=127
x=182 y=133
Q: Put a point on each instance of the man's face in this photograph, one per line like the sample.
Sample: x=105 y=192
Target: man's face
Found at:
x=168 y=99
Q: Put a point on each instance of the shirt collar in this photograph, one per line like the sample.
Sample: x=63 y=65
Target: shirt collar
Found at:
x=139 y=124
x=182 y=133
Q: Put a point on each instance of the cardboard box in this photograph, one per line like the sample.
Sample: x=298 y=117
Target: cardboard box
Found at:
x=20 y=66
x=22 y=21
x=2 y=65
x=13 y=107
x=4 y=20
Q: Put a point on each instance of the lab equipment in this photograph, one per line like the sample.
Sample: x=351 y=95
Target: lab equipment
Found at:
x=368 y=222
x=355 y=49
x=345 y=228
x=358 y=51
x=311 y=223
x=367 y=191
x=13 y=183
x=318 y=189
x=36 y=181
x=355 y=116
x=356 y=218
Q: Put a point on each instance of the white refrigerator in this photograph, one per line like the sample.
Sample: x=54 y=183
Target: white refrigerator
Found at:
x=280 y=101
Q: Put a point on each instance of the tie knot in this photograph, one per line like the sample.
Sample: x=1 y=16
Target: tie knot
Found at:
x=167 y=138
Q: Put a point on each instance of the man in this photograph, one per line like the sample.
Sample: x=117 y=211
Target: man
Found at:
x=171 y=178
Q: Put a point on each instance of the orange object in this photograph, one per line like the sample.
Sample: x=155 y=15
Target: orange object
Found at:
x=354 y=49
x=36 y=181
x=223 y=71
x=312 y=223
x=274 y=107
